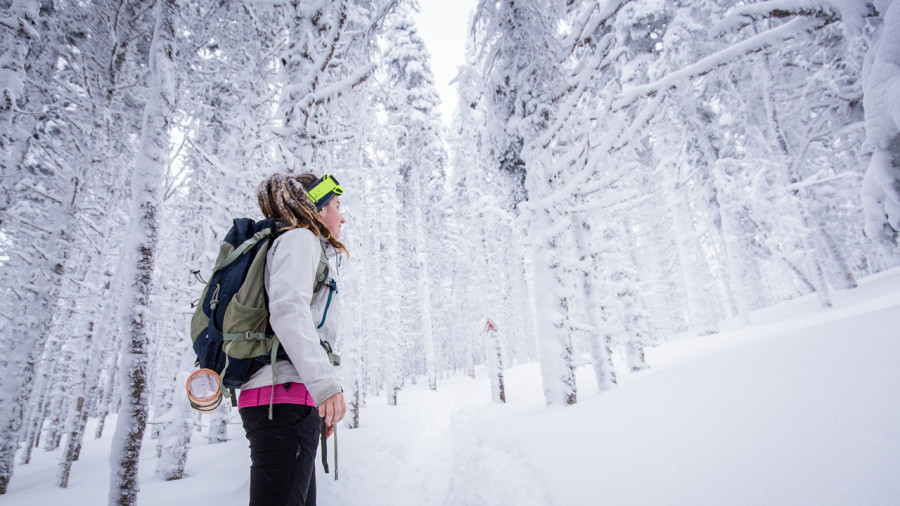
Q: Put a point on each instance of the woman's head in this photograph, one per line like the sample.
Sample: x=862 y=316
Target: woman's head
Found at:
x=284 y=197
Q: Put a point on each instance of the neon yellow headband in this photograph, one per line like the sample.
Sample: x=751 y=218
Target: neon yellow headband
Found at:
x=323 y=189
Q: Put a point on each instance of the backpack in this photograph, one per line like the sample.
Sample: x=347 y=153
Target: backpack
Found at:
x=230 y=328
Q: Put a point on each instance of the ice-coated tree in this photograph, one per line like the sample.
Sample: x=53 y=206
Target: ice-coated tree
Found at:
x=175 y=438
x=30 y=280
x=785 y=129
x=682 y=166
x=356 y=162
x=412 y=103
x=20 y=42
x=465 y=226
x=861 y=22
x=311 y=76
x=223 y=158
x=371 y=341
x=61 y=204
x=881 y=187
x=522 y=77
x=141 y=251
x=383 y=361
x=489 y=236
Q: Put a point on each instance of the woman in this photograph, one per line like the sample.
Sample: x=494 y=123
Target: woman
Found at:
x=306 y=388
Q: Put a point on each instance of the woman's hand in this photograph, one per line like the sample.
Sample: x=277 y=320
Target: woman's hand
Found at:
x=332 y=411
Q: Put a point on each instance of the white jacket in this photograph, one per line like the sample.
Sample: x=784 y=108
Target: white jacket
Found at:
x=290 y=270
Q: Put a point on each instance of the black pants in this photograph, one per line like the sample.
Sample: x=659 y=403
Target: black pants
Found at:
x=283 y=454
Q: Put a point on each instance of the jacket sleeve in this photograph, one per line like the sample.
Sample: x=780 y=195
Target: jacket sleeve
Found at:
x=291 y=270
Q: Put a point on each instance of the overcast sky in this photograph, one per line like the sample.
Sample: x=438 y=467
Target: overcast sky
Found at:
x=443 y=24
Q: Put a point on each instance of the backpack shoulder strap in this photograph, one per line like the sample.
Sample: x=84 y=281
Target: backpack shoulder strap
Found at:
x=322 y=278
x=249 y=243
x=323 y=281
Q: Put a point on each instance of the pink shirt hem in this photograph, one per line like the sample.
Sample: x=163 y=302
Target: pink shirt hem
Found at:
x=295 y=394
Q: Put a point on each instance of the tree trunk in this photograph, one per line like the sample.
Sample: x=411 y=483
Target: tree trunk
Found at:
x=733 y=262
x=600 y=339
x=696 y=276
x=881 y=183
x=843 y=271
x=147 y=181
x=218 y=424
x=634 y=355
x=32 y=326
x=550 y=310
x=72 y=446
x=176 y=435
x=495 y=362
x=354 y=405
x=33 y=434
x=85 y=368
x=424 y=281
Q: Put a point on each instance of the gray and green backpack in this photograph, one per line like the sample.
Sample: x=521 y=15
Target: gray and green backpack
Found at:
x=230 y=328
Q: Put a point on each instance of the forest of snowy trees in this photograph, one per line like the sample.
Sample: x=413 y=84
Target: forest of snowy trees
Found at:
x=616 y=172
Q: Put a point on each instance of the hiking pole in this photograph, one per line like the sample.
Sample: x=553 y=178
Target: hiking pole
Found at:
x=335 y=452
x=324 y=436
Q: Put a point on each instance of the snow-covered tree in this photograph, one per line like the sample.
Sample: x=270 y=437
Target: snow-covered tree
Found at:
x=141 y=252
x=522 y=79
x=412 y=103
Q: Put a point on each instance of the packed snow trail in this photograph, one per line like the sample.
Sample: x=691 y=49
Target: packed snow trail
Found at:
x=434 y=448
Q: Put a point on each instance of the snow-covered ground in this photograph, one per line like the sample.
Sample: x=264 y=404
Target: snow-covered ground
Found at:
x=802 y=407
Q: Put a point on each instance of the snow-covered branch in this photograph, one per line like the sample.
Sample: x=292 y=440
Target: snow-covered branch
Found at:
x=828 y=10
x=708 y=64
x=357 y=77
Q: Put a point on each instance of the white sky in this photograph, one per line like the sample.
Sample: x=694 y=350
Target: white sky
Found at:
x=443 y=25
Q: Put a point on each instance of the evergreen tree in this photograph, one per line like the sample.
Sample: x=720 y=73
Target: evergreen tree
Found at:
x=412 y=107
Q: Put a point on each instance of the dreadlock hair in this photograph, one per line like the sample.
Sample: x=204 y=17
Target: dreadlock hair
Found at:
x=283 y=197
